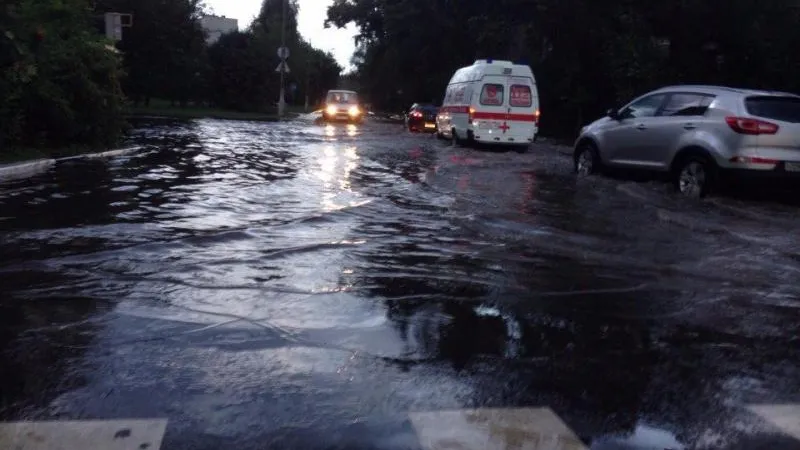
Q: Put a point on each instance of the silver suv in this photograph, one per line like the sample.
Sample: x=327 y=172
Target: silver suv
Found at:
x=697 y=134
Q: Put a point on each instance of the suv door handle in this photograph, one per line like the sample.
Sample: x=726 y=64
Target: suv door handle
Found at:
x=689 y=126
x=641 y=126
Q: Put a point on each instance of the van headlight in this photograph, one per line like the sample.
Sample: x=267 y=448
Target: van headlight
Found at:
x=331 y=110
x=354 y=111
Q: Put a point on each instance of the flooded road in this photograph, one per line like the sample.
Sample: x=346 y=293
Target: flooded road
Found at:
x=297 y=286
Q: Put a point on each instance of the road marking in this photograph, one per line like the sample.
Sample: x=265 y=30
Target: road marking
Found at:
x=488 y=429
x=83 y=435
x=785 y=417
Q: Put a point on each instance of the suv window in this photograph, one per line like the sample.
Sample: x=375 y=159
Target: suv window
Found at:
x=645 y=107
x=521 y=96
x=686 y=105
x=492 y=94
x=786 y=109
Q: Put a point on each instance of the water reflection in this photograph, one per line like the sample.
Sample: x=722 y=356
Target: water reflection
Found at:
x=44 y=337
x=642 y=437
x=480 y=295
x=336 y=164
x=344 y=129
x=388 y=270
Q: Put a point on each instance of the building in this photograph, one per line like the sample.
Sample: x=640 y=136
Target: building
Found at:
x=216 y=26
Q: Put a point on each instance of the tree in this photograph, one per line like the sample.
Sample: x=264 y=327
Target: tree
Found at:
x=240 y=73
x=164 y=50
x=243 y=64
x=59 y=80
x=587 y=55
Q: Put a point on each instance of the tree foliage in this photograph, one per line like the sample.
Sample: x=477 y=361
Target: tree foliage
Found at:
x=587 y=55
x=164 y=50
x=166 y=56
x=59 y=80
x=240 y=73
x=243 y=64
x=62 y=83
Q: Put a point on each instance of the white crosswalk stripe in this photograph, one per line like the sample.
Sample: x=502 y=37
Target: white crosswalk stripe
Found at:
x=83 y=435
x=489 y=429
x=465 y=429
x=786 y=417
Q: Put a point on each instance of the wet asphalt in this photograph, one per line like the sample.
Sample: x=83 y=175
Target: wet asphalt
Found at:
x=293 y=285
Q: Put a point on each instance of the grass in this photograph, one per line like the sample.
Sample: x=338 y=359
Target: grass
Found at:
x=13 y=155
x=157 y=108
x=163 y=108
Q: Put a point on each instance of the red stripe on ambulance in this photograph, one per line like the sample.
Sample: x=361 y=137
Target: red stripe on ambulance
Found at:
x=504 y=116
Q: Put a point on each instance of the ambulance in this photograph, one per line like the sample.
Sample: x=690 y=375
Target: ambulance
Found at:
x=490 y=102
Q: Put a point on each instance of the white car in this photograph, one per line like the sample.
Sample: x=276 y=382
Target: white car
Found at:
x=341 y=105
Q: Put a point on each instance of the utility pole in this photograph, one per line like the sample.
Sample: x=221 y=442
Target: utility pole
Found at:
x=282 y=99
x=308 y=79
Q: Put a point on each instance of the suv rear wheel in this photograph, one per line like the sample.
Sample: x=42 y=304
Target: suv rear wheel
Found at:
x=695 y=176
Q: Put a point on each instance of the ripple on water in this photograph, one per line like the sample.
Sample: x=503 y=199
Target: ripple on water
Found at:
x=301 y=250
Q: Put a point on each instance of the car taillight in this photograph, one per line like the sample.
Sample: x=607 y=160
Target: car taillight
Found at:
x=416 y=114
x=745 y=125
x=753 y=160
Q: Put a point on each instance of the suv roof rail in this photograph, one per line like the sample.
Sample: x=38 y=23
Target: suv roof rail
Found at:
x=705 y=86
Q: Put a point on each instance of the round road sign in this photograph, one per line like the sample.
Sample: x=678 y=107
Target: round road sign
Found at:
x=283 y=52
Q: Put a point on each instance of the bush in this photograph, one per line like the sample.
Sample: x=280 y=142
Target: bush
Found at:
x=59 y=80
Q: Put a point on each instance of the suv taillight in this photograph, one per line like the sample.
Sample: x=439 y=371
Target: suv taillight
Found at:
x=746 y=125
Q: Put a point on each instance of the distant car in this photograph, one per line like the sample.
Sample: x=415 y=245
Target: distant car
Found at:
x=421 y=117
x=698 y=135
x=341 y=105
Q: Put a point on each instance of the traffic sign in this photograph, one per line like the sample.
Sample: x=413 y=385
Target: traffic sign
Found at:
x=282 y=66
x=283 y=52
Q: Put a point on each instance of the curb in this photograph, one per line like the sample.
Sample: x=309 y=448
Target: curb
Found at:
x=26 y=169
x=30 y=168
x=112 y=153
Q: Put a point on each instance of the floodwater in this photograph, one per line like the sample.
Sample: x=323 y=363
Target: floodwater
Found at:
x=299 y=286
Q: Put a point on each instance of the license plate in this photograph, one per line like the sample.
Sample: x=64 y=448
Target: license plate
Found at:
x=792 y=166
x=430 y=125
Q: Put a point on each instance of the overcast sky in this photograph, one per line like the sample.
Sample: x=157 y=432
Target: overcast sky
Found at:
x=311 y=21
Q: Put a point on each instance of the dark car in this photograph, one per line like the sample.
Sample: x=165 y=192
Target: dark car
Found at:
x=421 y=117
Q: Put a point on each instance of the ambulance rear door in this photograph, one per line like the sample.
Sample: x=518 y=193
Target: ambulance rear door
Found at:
x=522 y=106
x=490 y=108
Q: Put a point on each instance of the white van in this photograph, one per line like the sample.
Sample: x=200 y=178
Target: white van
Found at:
x=492 y=102
x=342 y=105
